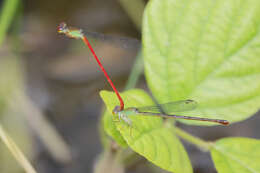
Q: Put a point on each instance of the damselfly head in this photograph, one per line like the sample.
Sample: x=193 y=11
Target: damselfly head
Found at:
x=62 y=28
x=116 y=110
x=70 y=31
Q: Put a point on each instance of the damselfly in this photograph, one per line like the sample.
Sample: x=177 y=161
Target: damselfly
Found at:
x=167 y=110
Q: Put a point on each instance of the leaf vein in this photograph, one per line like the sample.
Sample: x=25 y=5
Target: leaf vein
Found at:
x=210 y=74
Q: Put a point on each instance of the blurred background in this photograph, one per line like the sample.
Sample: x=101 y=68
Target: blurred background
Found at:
x=49 y=84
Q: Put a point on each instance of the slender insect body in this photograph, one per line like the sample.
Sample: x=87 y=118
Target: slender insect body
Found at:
x=78 y=34
x=155 y=111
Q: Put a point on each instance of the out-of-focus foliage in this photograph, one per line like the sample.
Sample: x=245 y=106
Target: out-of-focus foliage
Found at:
x=6 y=16
x=10 y=79
x=11 y=119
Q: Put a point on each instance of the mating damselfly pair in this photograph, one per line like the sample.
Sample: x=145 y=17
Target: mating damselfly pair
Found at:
x=166 y=110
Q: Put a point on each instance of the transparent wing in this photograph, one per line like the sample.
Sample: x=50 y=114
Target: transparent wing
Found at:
x=171 y=107
x=117 y=41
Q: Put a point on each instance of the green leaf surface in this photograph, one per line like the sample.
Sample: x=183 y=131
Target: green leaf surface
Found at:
x=207 y=51
x=236 y=155
x=149 y=136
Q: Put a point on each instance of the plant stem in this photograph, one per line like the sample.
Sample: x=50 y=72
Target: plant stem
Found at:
x=8 y=11
x=135 y=72
x=205 y=146
x=17 y=153
x=52 y=140
x=134 y=9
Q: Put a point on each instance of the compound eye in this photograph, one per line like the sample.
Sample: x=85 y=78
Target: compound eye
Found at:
x=116 y=110
x=62 y=27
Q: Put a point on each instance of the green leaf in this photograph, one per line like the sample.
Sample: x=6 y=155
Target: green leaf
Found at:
x=149 y=136
x=236 y=155
x=207 y=51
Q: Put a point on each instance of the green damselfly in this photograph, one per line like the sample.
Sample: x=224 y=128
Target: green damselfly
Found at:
x=166 y=110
